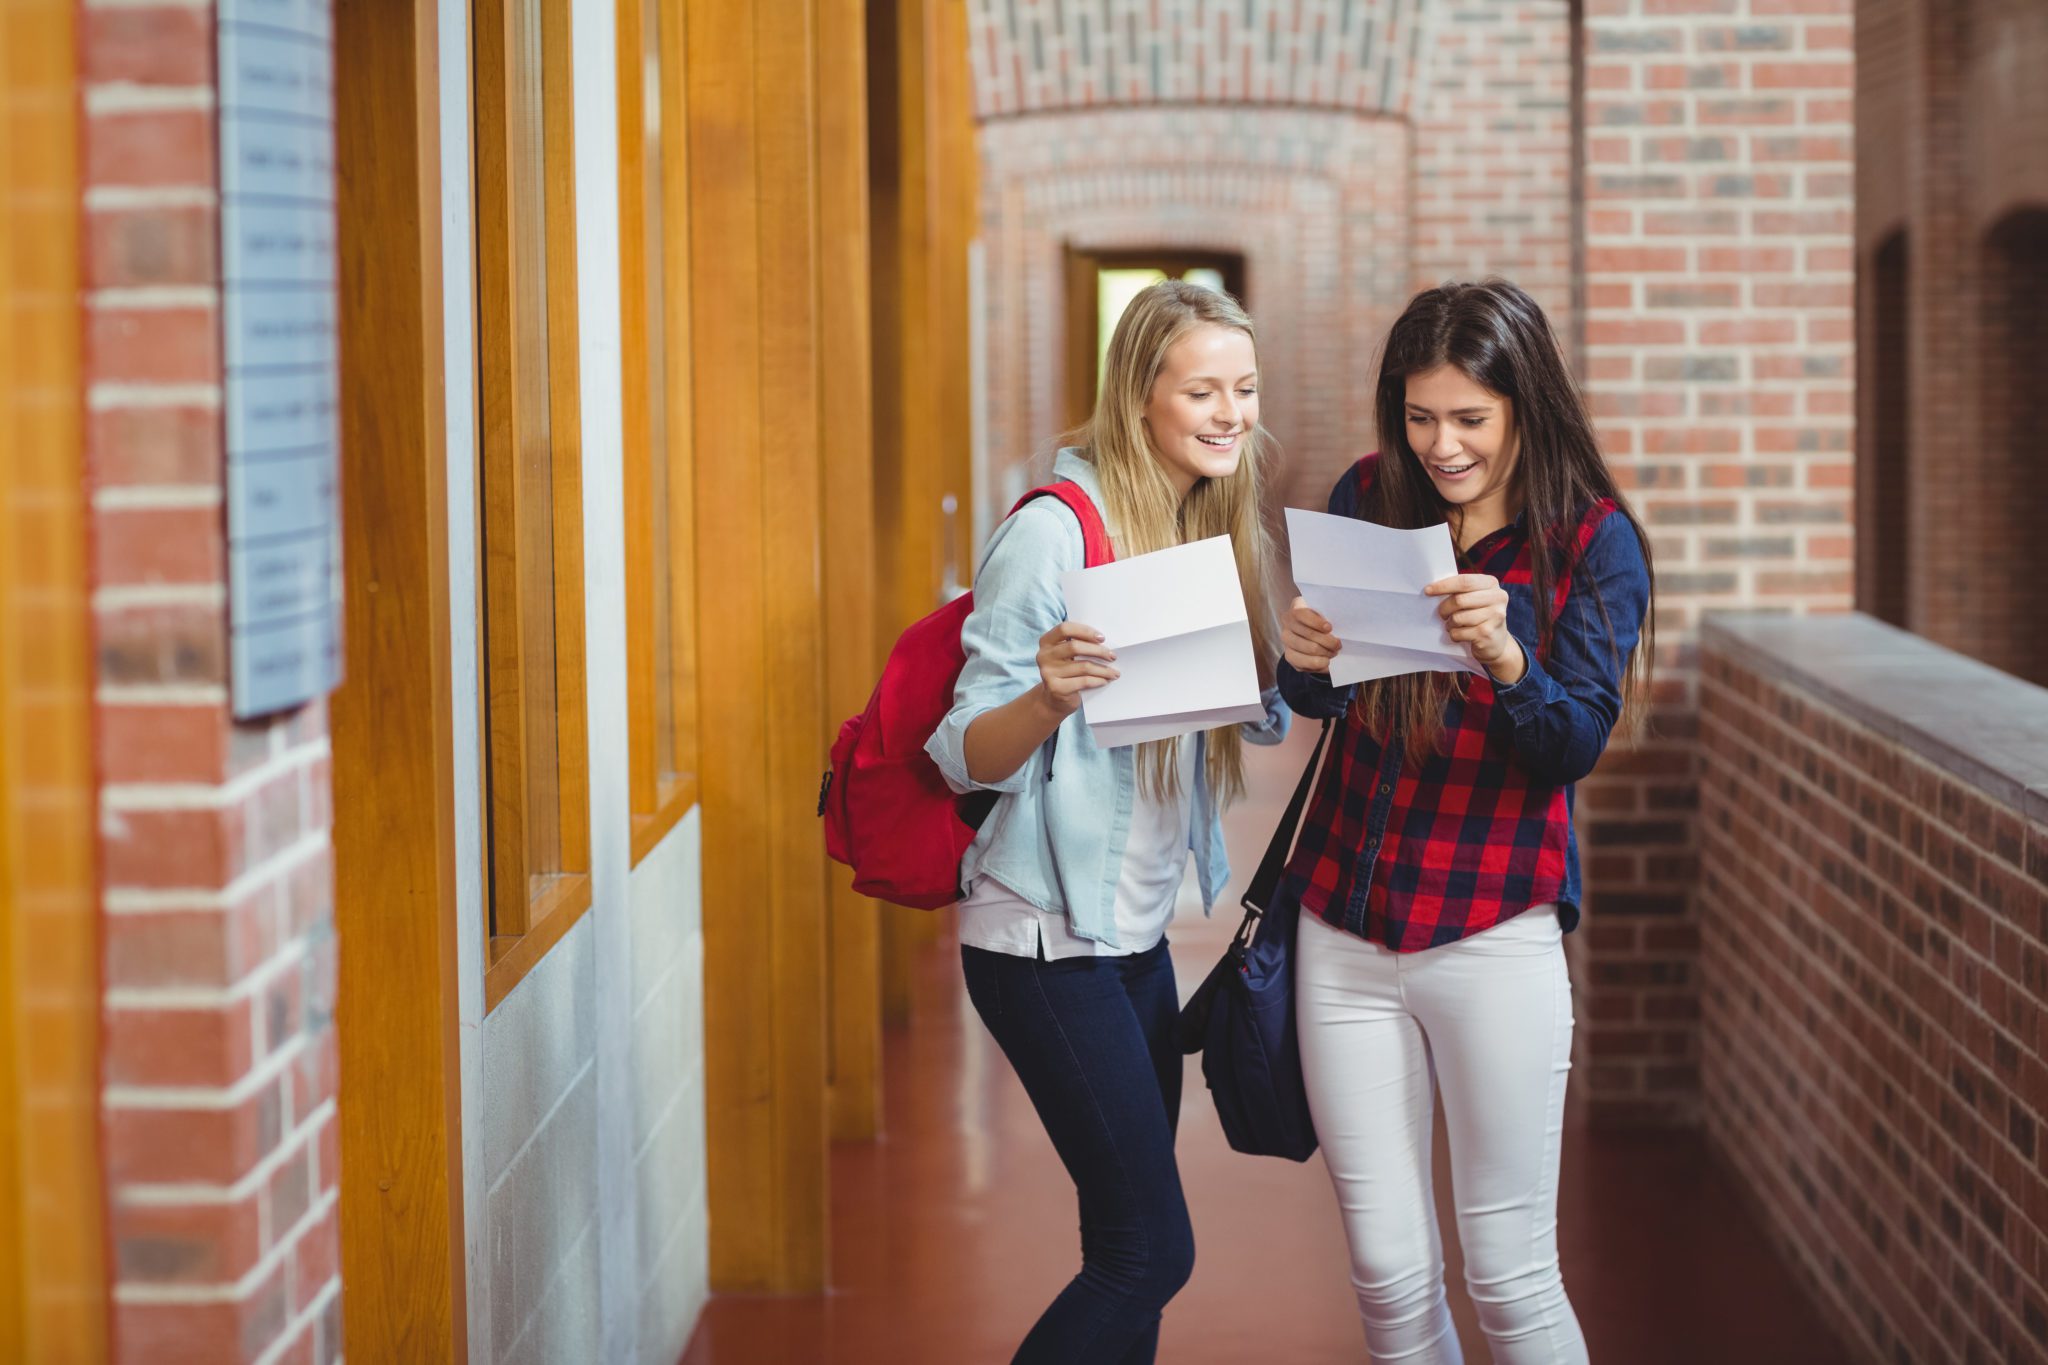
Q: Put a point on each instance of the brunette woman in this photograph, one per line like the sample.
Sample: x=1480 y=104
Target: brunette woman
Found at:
x=1437 y=865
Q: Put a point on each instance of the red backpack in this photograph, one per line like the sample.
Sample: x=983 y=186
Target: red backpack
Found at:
x=888 y=812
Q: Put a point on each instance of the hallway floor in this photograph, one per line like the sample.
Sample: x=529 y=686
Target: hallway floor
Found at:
x=954 y=1230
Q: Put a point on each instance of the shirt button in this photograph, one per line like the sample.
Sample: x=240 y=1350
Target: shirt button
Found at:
x=1385 y=788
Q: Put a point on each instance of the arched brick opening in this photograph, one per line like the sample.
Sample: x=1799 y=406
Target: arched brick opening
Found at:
x=2015 y=353
x=1352 y=154
x=1884 y=552
x=1315 y=204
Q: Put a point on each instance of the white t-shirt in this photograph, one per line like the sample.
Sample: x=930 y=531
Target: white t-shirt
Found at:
x=997 y=919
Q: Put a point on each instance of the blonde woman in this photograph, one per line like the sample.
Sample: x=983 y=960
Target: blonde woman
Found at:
x=1073 y=876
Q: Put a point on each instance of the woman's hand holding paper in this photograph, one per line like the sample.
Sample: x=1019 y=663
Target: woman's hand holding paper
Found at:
x=1183 y=642
x=1072 y=659
x=1475 y=613
x=1306 y=639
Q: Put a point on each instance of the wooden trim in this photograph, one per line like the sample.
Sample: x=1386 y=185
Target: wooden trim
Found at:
x=956 y=215
x=725 y=266
x=846 y=402
x=907 y=486
x=636 y=418
x=503 y=429
x=724 y=288
x=565 y=433
x=953 y=175
x=645 y=309
x=905 y=104
x=512 y=956
x=392 y=726
x=54 y=1303
x=676 y=362
x=785 y=102
x=1178 y=261
x=906 y=563
x=1083 y=328
x=515 y=419
x=753 y=264
x=674 y=799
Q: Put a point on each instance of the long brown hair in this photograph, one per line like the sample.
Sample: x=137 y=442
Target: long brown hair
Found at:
x=1499 y=338
x=1146 y=511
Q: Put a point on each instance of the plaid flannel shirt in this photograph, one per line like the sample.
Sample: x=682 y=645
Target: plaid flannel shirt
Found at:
x=1481 y=829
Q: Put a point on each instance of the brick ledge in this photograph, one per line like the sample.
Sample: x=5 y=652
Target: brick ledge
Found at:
x=1986 y=727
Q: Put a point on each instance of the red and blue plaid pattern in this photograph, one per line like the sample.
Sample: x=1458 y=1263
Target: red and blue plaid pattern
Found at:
x=1417 y=856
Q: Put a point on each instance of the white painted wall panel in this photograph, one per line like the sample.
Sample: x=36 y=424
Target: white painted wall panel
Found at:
x=540 y=1208
x=668 y=1067
x=564 y=1328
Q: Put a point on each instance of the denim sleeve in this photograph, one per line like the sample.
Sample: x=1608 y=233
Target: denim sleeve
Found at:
x=1017 y=599
x=1273 y=728
x=1311 y=694
x=1564 y=710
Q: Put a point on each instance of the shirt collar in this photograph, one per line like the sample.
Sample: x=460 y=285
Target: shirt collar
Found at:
x=1072 y=463
x=1493 y=539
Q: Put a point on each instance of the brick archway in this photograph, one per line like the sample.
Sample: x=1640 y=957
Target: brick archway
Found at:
x=1316 y=203
x=2015 y=352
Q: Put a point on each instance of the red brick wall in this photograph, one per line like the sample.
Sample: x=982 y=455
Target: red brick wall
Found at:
x=1876 y=1014
x=1032 y=56
x=220 y=1065
x=1493 y=149
x=1719 y=288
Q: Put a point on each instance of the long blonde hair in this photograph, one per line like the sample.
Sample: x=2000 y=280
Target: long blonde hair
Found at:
x=1147 y=512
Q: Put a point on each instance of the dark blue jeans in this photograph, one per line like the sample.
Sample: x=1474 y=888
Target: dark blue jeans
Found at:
x=1092 y=1039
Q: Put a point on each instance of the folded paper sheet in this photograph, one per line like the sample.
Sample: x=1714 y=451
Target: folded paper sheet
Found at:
x=1368 y=580
x=1176 y=621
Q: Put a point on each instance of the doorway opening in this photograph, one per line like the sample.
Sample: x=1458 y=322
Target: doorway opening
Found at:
x=1101 y=284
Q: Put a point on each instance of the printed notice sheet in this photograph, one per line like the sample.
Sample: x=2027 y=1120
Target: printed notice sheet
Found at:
x=1368 y=580
x=1177 y=623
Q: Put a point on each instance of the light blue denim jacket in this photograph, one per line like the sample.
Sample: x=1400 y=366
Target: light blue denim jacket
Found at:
x=1056 y=835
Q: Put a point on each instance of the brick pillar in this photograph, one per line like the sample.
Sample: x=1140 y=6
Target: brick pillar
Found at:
x=220 y=1062
x=1718 y=288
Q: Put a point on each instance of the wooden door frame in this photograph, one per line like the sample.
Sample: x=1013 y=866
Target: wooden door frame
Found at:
x=402 y=1236
x=54 y=1299
x=1081 y=266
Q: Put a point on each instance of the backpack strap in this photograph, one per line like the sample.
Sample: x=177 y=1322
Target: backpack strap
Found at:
x=1095 y=547
x=1258 y=897
x=1097 y=550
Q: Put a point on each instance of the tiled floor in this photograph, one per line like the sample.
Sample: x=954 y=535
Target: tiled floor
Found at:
x=954 y=1230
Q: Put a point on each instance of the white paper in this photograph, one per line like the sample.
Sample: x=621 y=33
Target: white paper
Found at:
x=1176 y=621
x=1368 y=580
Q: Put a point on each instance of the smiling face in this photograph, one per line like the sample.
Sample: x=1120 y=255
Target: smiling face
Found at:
x=1464 y=435
x=1203 y=405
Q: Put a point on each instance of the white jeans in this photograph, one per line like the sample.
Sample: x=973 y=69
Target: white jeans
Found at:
x=1489 y=1020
